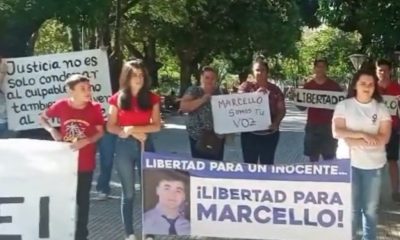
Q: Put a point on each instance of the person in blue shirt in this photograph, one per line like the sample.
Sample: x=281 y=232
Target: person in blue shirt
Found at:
x=168 y=216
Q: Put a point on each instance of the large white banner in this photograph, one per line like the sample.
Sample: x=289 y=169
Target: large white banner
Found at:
x=329 y=99
x=246 y=112
x=34 y=83
x=246 y=201
x=37 y=190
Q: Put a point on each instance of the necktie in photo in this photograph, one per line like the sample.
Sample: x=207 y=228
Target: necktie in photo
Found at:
x=172 y=229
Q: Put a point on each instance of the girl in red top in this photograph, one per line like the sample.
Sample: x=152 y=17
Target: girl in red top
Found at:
x=134 y=112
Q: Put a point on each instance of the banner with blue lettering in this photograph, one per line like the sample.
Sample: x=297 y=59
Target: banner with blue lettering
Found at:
x=234 y=200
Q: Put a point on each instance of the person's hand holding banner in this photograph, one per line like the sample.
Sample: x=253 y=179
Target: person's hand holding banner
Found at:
x=262 y=90
x=273 y=127
x=79 y=144
x=55 y=134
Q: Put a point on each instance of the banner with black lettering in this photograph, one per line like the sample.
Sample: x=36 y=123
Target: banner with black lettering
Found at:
x=182 y=196
x=37 y=190
x=34 y=83
x=246 y=112
x=329 y=99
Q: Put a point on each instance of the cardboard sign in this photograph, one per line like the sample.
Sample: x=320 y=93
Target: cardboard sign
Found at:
x=329 y=99
x=246 y=112
x=34 y=83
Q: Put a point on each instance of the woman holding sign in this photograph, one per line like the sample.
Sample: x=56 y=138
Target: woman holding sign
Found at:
x=260 y=146
x=204 y=143
x=364 y=123
x=134 y=113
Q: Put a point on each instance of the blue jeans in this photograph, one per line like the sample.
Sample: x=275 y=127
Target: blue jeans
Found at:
x=106 y=147
x=128 y=152
x=366 y=186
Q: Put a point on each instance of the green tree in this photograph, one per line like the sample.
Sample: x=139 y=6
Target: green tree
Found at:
x=232 y=29
x=52 y=37
x=331 y=43
x=21 y=19
x=378 y=22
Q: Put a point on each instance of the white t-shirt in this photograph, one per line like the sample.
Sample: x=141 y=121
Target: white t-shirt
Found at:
x=364 y=117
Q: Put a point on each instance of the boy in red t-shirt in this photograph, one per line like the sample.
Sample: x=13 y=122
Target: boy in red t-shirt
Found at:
x=81 y=125
x=318 y=140
x=392 y=88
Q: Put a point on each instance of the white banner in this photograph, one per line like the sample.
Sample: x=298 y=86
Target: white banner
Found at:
x=34 y=83
x=246 y=201
x=318 y=99
x=329 y=99
x=38 y=190
x=246 y=112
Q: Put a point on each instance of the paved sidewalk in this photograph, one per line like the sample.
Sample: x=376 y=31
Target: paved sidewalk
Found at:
x=105 y=221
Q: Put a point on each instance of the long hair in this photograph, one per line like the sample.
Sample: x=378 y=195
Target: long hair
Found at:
x=352 y=92
x=125 y=97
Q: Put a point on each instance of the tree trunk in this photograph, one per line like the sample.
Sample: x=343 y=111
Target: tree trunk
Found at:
x=116 y=55
x=31 y=44
x=186 y=75
x=75 y=37
x=243 y=76
x=150 y=58
x=92 y=38
x=15 y=36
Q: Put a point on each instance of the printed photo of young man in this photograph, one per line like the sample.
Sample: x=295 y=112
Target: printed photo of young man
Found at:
x=168 y=215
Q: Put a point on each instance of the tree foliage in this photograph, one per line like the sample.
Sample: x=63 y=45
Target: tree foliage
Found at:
x=378 y=22
x=324 y=42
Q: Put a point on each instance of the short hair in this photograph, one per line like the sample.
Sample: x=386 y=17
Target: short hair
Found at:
x=208 y=69
x=382 y=61
x=320 y=60
x=74 y=80
x=173 y=175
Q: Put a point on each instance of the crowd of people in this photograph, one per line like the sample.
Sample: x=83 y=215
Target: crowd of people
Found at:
x=362 y=121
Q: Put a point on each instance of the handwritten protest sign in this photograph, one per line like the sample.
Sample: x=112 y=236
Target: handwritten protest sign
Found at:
x=34 y=83
x=245 y=112
x=318 y=99
x=38 y=190
x=235 y=200
x=329 y=99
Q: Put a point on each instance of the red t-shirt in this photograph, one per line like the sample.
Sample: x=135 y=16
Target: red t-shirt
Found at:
x=393 y=89
x=275 y=94
x=78 y=124
x=135 y=116
x=318 y=115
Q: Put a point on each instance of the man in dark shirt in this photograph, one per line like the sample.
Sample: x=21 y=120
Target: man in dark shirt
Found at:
x=318 y=133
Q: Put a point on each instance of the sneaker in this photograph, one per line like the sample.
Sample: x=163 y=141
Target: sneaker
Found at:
x=396 y=197
x=131 y=237
x=101 y=196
